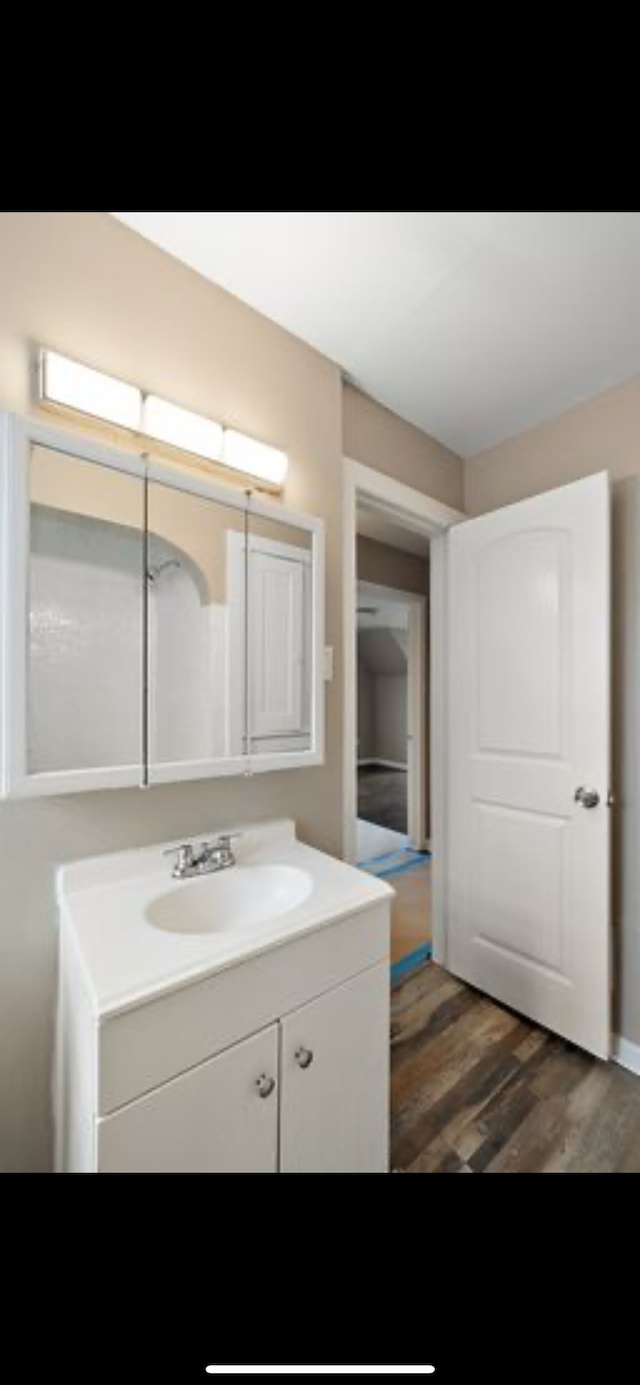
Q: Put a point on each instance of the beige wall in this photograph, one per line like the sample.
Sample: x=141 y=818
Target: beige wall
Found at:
x=390 y=712
x=84 y=284
x=603 y=433
x=380 y=439
x=391 y=567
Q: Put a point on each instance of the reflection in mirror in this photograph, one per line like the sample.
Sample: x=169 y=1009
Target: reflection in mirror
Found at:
x=196 y=630
x=85 y=615
x=280 y=637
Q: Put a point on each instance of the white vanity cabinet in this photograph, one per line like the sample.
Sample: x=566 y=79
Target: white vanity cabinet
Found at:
x=272 y=1056
x=305 y=1095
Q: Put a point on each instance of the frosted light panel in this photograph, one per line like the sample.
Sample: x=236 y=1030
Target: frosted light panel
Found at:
x=181 y=428
x=79 y=387
x=256 y=458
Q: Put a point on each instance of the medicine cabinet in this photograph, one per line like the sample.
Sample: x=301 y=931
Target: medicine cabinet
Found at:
x=154 y=626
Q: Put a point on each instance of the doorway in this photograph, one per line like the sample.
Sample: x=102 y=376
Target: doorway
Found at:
x=392 y=714
x=391 y=771
x=392 y=672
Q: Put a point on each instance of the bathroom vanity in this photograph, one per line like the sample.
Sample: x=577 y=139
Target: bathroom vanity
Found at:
x=237 y=1022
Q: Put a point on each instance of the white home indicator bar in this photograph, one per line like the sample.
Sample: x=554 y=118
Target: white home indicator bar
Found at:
x=320 y=1370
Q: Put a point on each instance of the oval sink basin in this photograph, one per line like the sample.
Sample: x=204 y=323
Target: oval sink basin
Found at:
x=236 y=900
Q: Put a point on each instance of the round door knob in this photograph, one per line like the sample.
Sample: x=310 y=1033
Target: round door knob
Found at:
x=304 y=1057
x=589 y=798
x=265 y=1085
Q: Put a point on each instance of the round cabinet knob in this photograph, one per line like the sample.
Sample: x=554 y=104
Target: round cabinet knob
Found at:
x=304 y=1057
x=265 y=1085
x=589 y=798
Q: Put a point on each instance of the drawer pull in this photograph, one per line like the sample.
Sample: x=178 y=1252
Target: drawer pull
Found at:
x=265 y=1085
x=304 y=1057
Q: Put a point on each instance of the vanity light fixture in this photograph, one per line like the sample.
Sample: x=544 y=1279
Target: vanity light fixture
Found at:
x=181 y=428
x=68 y=384
x=256 y=458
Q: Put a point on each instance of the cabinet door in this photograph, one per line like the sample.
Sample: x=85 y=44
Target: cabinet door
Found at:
x=221 y=1117
x=84 y=639
x=196 y=693
x=334 y=1106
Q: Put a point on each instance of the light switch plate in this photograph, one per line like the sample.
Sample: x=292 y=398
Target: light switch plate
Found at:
x=328 y=664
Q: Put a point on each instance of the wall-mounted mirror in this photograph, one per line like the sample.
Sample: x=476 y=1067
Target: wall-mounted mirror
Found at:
x=153 y=626
x=196 y=635
x=85 y=615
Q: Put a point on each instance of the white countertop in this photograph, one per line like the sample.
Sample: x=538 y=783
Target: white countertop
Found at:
x=128 y=961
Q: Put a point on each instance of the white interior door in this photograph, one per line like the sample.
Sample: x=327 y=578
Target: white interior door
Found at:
x=527 y=890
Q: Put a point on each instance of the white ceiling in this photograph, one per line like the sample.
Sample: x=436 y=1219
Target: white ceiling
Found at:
x=472 y=325
x=373 y=523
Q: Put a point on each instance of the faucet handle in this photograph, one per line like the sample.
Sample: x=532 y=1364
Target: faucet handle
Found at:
x=184 y=852
x=226 y=838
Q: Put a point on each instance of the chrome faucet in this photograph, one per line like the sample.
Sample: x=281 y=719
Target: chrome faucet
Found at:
x=210 y=856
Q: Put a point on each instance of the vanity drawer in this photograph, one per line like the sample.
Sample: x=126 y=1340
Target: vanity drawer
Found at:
x=148 y=1045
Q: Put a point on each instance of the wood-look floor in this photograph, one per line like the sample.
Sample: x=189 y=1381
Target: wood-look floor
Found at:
x=410 y=911
x=478 y=1089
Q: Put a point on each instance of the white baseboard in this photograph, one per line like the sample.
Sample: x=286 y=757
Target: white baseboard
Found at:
x=626 y=1054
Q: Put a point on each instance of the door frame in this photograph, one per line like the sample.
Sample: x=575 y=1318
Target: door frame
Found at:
x=416 y=707
x=424 y=515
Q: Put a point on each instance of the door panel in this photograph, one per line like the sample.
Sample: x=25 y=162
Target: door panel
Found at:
x=280 y=644
x=522 y=657
x=335 y=1103
x=528 y=724
x=209 y=1120
x=276 y=644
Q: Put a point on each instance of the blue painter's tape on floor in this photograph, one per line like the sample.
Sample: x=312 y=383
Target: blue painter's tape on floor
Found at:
x=378 y=865
x=373 y=862
x=406 y=964
x=397 y=870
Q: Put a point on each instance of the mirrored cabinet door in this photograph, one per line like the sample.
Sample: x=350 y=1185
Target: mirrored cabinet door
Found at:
x=154 y=626
x=280 y=638
x=196 y=635
x=84 y=633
